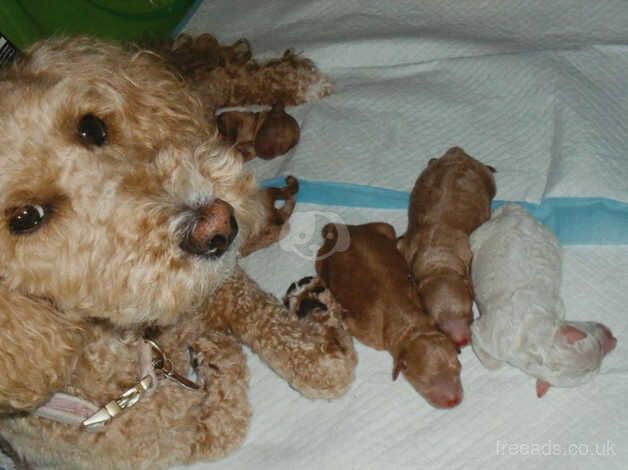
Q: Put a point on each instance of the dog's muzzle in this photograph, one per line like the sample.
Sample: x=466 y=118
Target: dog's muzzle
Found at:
x=211 y=230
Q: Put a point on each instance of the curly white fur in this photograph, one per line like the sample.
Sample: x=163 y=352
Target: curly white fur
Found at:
x=516 y=273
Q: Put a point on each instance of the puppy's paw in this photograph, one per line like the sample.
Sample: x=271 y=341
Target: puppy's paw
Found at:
x=309 y=300
x=276 y=220
x=311 y=83
x=319 y=89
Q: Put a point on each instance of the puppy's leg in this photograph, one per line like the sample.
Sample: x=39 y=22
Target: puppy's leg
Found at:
x=316 y=359
x=275 y=217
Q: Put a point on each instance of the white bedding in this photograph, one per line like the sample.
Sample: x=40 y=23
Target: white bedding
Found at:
x=539 y=90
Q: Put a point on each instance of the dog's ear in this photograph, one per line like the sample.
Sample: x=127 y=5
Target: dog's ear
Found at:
x=469 y=285
x=38 y=350
x=399 y=366
x=572 y=334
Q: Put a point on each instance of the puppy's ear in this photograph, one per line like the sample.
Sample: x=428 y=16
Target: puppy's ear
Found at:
x=469 y=285
x=572 y=334
x=38 y=350
x=399 y=366
x=491 y=168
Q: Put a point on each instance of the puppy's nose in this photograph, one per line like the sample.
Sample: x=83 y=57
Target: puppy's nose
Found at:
x=446 y=392
x=448 y=400
x=457 y=328
x=453 y=401
x=608 y=340
x=212 y=230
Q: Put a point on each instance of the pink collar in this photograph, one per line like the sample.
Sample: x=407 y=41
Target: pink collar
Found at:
x=75 y=411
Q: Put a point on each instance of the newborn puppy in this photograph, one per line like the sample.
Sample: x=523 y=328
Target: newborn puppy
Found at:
x=372 y=282
x=266 y=134
x=516 y=275
x=450 y=199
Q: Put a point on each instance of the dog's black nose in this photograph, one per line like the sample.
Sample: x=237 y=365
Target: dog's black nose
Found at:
x=211 y=232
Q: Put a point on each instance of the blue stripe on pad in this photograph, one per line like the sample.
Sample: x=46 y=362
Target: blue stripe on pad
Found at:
x=574 y=220
x=327 y=193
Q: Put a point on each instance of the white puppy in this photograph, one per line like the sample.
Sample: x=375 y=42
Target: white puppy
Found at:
x=516 y=275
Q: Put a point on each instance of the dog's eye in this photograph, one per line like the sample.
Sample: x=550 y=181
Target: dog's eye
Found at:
x=92 y=130
x=26 y=218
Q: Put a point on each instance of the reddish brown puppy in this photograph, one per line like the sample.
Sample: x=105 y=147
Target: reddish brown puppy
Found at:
x=266 y=134
x=372 y=282
x=450 y=199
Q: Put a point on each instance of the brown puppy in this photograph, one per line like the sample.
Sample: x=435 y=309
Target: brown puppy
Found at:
x=450 y=199
x=229 y=76
x=372 y=282
x=266 y=134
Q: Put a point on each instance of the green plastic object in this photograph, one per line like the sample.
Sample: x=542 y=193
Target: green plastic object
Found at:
x=25 y=21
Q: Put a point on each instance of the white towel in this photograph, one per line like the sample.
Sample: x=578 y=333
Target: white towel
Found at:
x=537 y=89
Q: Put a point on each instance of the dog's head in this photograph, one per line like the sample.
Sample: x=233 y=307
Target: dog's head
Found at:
x=467 y=165
x=117 y=200
x=430 y=364
x=568 y=354
x=448 y=298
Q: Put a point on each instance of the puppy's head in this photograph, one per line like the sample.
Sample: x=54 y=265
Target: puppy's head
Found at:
x=449 y=300
x=430 y=363
x=116 y=199
x=459 y=158
x=572 y=355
